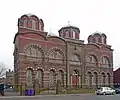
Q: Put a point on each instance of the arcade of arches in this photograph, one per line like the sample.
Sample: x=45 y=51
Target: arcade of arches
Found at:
x=36 y=53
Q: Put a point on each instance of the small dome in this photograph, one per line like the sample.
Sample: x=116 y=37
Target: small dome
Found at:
x=97 y=32
x=69 y=26
x=52 y=34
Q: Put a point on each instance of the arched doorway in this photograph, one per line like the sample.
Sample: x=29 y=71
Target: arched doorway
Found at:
x=75 y=78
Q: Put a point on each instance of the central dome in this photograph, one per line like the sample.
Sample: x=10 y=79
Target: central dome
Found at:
x=69 y=31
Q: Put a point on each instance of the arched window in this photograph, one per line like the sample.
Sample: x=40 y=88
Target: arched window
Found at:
x=103 y=40
x=61 y=76
x=75 y=78
x=92 y=59
x=34 y=53
x=73 y=34
x=95 y=79
x=39 y=77
x=25 y=22
x=52 y=77
x=33 y=24
x=103 y=79
x=89 y=77
x=67 y=34
x=56 y=55
x=105 y=61
x=61 y=34
x=108 y=79
x=29 y=77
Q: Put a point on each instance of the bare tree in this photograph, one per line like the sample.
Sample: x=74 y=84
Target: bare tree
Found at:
x=3 y=69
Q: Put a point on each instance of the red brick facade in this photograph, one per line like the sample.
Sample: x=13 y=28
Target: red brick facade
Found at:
x=117 y=77
x=66 y=57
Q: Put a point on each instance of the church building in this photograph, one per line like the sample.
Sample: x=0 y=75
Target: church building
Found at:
x=45 y=58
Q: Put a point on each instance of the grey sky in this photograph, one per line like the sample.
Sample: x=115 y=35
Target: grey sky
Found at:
x=88 y=15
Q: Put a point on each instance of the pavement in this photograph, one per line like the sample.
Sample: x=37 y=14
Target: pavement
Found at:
x=64 y=97
x=11 y=95
x=11 y=92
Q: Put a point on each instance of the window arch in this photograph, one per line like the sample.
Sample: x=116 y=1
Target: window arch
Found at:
x=92 y=59
x=105 y=61
x=56 y=55
x=34 y=53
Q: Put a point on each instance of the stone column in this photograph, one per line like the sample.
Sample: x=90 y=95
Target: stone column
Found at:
x=79 y=81
x=70 y=80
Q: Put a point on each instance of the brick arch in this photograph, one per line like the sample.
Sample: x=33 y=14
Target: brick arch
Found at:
x=32 y=45
x=92 y=55
x=29 y=68
x=106 y=57
x=102 y=72
x=56 y=49
x=34 y=52
x=89 y=71
x=61 y=69
x=75 y=70
x=95 y=72
x=109 y=73
x=22 y=20
x=52 y=68
x=39 y=68
x=39 y=22
x=34 y=17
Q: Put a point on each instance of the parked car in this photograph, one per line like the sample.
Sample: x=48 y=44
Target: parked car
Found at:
x=117 y=90
x=104 y=91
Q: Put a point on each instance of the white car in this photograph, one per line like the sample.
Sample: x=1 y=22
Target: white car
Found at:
x=104 y=91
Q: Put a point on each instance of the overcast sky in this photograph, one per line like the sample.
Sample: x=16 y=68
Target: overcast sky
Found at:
x=88 y=15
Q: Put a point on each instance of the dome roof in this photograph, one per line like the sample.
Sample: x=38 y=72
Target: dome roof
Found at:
x=69 y=26
x=52 y=34
x=97 y=32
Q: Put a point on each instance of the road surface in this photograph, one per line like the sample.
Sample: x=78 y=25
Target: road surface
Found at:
x=64 y=97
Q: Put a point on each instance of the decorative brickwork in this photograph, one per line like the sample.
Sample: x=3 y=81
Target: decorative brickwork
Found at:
x=41 y=58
